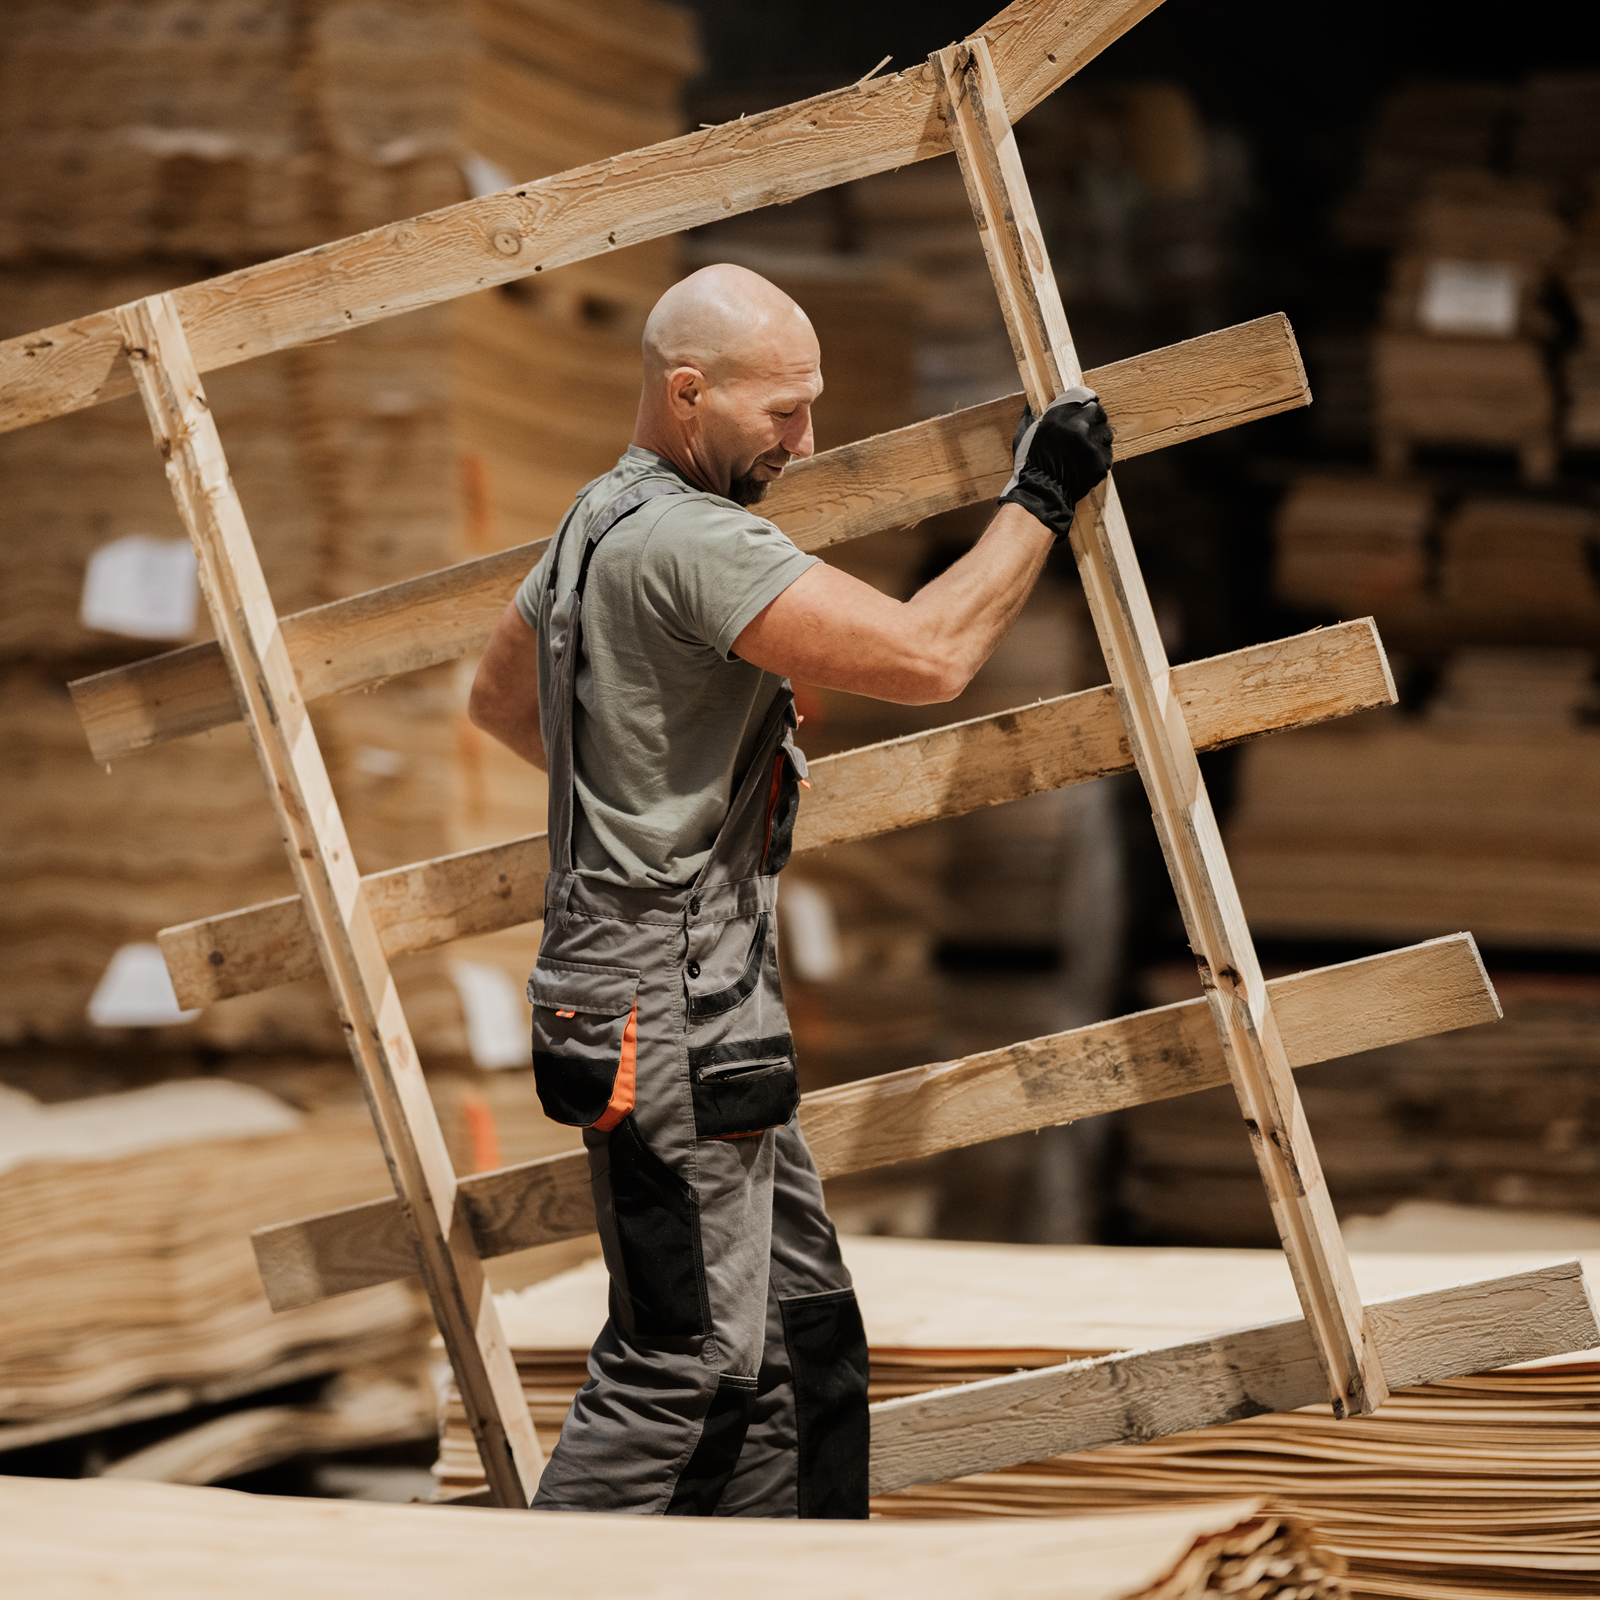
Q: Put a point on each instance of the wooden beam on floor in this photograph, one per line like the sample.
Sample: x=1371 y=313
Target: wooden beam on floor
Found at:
x=1180 y=392
x=761 y=160
x=858 y=794
x=1150 y=1394
x=974 y=106
x=333 y=902
x=901 y=1116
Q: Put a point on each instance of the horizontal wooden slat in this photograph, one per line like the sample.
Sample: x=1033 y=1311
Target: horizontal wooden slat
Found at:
x=1151 y=1055
x=1182 y=391
x=1150 y=1394
x=682 y=183
x=859 y=794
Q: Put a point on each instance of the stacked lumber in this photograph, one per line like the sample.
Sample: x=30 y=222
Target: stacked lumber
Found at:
x=1423 y=129
x=397 y=449
x=1557 y=139
x=73 y=1539
x=1582 y=280
x=1461 y=360
x=155 y=1305
x=1387 y=826
x=1473 y=1487
x=1437 y=572
x=1489 y=1117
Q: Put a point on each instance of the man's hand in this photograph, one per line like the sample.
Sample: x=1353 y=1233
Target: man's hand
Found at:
x=1059 y=458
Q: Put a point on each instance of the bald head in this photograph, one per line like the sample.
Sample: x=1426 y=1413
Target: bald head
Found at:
x=731 y=369
x=724 y=321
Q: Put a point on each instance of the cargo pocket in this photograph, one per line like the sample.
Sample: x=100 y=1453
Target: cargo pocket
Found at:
x=585 y=1042
x=713 y=998
x=742 y=1087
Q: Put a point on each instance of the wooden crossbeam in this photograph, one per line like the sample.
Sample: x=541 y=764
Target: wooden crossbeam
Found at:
x=532 y=228
x=901 y=1116
x=974 y=107
x=1150 y=1394
x=1181 y=392
x=331 y=894
x=858 y=794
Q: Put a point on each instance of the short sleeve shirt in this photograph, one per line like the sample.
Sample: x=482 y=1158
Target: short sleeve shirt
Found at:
x=666 y=717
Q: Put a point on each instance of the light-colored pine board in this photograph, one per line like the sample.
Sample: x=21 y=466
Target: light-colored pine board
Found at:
x=858 y=794
x=1149 y=1394
x=331 y=893
x=1162 y=746
x=1152 y=1055
x=1180 y=392
x=682 y=183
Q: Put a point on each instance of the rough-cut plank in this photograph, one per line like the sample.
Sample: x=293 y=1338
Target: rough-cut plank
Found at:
x=1152 y=1055
x=856 y=795
x=1163 y=748
x=332 y=895
x=1150 y=1394
x=1180 y=392
x=682 y=183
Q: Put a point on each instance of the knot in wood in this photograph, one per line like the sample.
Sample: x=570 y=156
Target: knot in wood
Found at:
x=508 y=241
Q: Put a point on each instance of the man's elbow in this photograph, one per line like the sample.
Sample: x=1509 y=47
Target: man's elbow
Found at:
x=935 y=682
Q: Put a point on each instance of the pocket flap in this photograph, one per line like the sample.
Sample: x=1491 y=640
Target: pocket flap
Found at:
x=595 y=991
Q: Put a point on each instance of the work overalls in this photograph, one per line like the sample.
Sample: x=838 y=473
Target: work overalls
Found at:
x=731 y=1375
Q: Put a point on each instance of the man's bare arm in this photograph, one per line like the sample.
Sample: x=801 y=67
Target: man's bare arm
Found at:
x=832 y=630
x=505 y=693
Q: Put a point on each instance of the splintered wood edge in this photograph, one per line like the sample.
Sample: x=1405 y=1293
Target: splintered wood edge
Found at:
x=312 y=1258
x=1140 y=1395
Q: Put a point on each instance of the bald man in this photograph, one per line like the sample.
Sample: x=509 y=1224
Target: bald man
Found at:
x=646 y=659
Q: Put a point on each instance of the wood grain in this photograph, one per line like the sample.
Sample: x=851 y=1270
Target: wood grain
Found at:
x=1162 y=745
x=1152 y=1055
x=760 y=160
x=1166 y=396
x=855 y=795
x=1150 y=1394
x=333 y=901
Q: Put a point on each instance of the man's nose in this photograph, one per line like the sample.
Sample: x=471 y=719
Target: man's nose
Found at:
x=798 y=438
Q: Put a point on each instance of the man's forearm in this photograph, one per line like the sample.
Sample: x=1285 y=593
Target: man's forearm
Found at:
x=504 y=701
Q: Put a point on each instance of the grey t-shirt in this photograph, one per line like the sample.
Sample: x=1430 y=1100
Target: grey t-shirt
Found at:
x=666 y=717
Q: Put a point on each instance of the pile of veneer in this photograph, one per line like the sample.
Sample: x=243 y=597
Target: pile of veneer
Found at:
x=154 y=146
x=131 y=1287
x=1498 y=1115
x=1485 y=1486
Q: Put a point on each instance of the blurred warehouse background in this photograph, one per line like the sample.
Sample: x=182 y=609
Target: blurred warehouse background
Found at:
x=1420 y=193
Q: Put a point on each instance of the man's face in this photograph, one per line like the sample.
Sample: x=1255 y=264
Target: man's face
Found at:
x=756 y=418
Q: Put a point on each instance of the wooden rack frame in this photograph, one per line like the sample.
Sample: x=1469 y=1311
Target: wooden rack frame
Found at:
x=264 y=669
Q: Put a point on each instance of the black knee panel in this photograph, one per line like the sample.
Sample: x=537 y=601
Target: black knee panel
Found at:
x=828 y=1356
x=707 y=1471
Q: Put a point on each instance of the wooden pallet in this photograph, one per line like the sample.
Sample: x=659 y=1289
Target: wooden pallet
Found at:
x=1151 y=716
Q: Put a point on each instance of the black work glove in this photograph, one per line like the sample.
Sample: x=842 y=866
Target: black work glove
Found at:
x=1059 y=458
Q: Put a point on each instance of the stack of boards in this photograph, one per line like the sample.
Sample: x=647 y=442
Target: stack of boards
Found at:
x=77 y=1540
x=1488 y=1116
x=1468 y=807
x=132 y=1290
x=198 y=139
x=1490 y=1483
x=1484 y=191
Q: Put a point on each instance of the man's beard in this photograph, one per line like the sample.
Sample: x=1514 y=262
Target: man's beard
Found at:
x=747 y=489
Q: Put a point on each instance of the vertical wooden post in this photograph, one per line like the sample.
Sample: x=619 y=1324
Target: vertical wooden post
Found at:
x=1159 y=738
x=330 y=889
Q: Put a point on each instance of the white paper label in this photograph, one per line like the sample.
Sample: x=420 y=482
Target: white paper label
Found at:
x=483 y=175
x=1477 y=297
x=498 y=1020
x=811 y=935
x=141 y=588
x=135 y=992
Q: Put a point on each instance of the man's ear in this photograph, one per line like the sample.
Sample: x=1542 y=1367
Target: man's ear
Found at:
x=686 y=388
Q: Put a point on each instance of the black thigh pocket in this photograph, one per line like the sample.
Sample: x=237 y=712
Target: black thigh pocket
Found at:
x=580 y=1038
x=743 y=1086
x=658 y=1229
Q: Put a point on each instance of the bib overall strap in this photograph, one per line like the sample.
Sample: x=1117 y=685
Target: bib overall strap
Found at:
x=560 y=645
